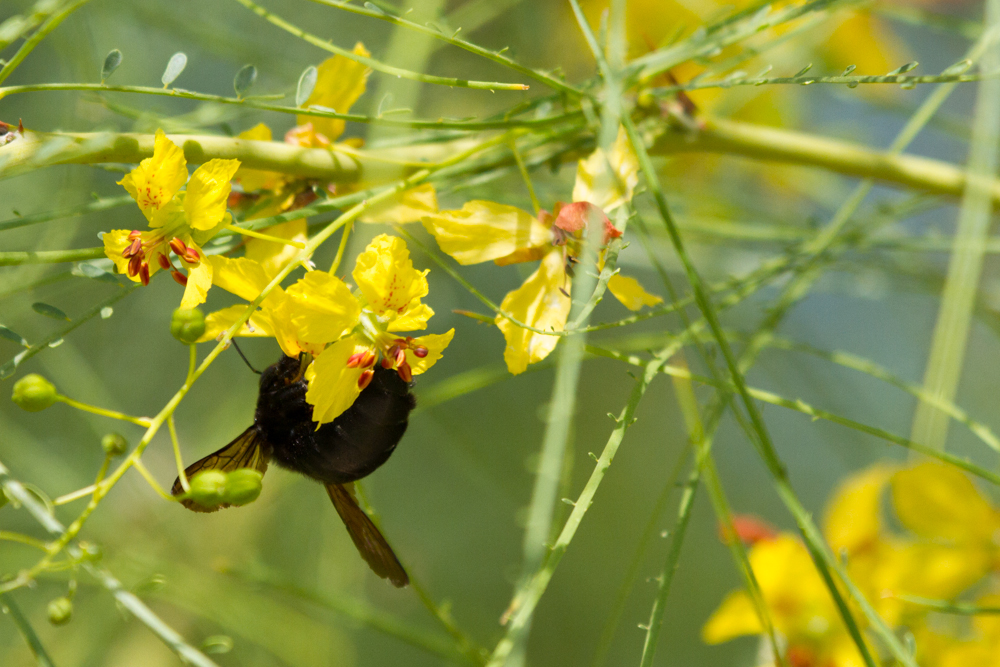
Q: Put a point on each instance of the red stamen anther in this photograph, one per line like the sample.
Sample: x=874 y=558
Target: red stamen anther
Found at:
x=178 y=246
x=133 y=249
x=365 y=378
x=179 y=277
x=420 y=351
x=191 y=256
x=355 y=359
x=133 y=265
x=144 y=273
x=400 y=357
x=368 y=359
x=134 y=234
x=386 y=362
x=164 y=262
x=405 y=373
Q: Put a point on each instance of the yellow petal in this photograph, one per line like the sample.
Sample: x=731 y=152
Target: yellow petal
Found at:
x=435 y=344
x=852 y=519
x=540 y=303
x=414 y=318
x=273 y=256
x=220 y=320
x=158 y=178
x=208 y=192
x=115 y=243
x=735 y=617
x=408 y=206
x=485 y=230
x=938 y=501
x=253 y=180
x=603 y=188
x=630 y=292
x=198 y=284
x=386 y=277
x=340 y=82
x=323 y=310
x=332 y=385
x=243 y=277
x=863 y=40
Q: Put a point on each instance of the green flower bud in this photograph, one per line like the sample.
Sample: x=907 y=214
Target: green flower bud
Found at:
x=34 y=393
x=208 y=488
x=60 y=611
x=242 y=486
x=187 y=325
x=114 y=444
x=90 y=551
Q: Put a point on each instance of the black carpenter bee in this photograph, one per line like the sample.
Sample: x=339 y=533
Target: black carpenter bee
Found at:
x=337 y=454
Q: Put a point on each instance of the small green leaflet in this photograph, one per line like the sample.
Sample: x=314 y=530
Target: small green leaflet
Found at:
x=244 y=80
x=111 y=62
x=177 y=63
x=306 y=84
x=12 y=336
x=49 y=311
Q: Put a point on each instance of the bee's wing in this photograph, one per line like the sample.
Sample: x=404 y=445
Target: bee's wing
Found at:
x=248 y=450
x=367 y=538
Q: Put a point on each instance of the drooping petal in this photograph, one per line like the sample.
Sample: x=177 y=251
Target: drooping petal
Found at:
x=435 y=344
x=581 y=215
x=340 y=81
x=323 y=309
x=271 y=255
x=220 y=320
x=208 y=192
x=408 y=206
x=608 y=189
x=115 y=243
x=484 y=230
x=413 y=318
x=158 y=178
x=631 y=294
x=939 y=502
x=333 y=386
x=735 y=617
x=253 y=180
x=198 y=283
x=540 y=303
x=243 y=277
x=386 y=277
x=853 y=518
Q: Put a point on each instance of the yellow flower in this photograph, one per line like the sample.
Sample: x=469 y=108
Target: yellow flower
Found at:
x=359 y=328
x=340 y=81
x=180 y=222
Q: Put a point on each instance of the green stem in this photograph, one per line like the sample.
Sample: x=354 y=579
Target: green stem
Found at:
x=23 y=626
x=49 y=256
x=113 y=414
x=276 y=20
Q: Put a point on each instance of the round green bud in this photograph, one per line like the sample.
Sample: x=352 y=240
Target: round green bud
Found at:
x=187 y=325
x=208 y=488
x=34 y=393
x=90 y=551
x=60 y=611
x=114 y=444
x=242 y=486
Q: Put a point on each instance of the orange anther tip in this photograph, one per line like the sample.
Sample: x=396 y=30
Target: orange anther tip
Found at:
x=420 y=351
x=365 y=378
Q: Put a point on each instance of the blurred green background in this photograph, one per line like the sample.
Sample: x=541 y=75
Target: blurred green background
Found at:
x=276 y=576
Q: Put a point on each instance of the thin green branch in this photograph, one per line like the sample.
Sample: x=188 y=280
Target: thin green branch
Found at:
x=14 y=258
x=276 y=20
x=23 y=626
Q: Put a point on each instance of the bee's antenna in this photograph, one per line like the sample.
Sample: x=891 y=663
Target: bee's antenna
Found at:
x=243 y=357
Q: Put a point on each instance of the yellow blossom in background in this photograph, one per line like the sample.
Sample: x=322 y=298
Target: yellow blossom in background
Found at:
x=340 y=81
x=180 y=221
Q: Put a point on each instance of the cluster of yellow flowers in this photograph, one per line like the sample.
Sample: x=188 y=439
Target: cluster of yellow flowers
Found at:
x=944 y=548
x=347 y=329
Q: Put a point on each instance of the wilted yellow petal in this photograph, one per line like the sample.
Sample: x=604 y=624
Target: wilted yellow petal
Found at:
x=540 y=303
x=198 y=284
x=408 y=206
x=485 y=230
x=735 y=617
x=115 y=243
x=208 y=192
x=158 y=178
x=386 y=277
x=608 y=190
x=631 y=293
x=435 y=344
x=938 y=501
x=323 y=310
x=340 y=82
x=413 y=318
x=271 y=255
x=220 y=320
x=332 y=385
x=852 y=519
x=253 y=180
x=243 y=277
